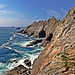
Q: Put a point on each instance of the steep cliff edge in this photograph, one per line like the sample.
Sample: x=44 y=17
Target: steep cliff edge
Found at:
x=58 y=57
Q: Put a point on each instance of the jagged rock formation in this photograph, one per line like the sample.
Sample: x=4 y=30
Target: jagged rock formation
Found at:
x=58 y=57
x=21 y=70
x=42 y=28
x=34 y=42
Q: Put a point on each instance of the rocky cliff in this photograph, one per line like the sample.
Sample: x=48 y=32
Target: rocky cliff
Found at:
x=41 y=29
x=58 y=57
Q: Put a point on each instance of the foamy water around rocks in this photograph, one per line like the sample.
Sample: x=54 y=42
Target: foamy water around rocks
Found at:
x=13 y=47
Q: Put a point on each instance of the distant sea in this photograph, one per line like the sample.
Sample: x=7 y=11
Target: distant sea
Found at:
x=13 y=47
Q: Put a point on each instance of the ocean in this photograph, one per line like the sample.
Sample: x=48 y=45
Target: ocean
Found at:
x=13 y=47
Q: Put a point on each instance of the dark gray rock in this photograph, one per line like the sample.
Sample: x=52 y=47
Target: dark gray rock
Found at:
x=27 y=62
x=20 y=31
x=34 y=42
x=47 y=40
x=18 y=28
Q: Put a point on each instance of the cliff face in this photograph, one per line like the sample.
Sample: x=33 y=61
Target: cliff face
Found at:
x=58 y=57
x=42 y=28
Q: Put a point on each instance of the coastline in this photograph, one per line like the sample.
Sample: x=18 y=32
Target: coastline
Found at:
x=59 y=46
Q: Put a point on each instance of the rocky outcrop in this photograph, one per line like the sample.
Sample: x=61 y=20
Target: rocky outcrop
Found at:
x=20 y=31
x=41 y=29
x=18 y=28
x=21 y=70
x=34 y=42
x=58 y=56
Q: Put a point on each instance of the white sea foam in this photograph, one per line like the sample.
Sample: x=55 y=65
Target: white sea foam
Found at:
x=9 y=41
x=23 y=44
x=7 y=47
x=4 y=44
x=26 y=35
x=11 y=38
x=13 y=54
x=14 y=49
x=25 y=54
x=0 y=63
x=21 y=62
x=14 y=35
x=33 y=57
x=1 y=73
x=12 y=65
x=32 y=46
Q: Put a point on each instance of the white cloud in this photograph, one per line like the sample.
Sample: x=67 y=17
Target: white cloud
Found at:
x=59 y=15
x=52 y=13
x=2 y=6
x=11 y=13
x=64 y=11
x=7 y=12
x=7 y=22
x=9 y=18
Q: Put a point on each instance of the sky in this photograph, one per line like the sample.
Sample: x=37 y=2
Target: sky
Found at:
x=21 y=13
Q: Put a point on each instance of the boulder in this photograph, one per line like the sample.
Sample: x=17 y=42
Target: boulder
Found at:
x=34 y=42
x=19 y=70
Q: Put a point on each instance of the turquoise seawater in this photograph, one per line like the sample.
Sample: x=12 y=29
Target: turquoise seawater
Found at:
x=13 y=46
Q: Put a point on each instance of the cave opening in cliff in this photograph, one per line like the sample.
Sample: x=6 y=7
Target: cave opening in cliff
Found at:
x=42 y=34
x=50 y=37
x=74 y=12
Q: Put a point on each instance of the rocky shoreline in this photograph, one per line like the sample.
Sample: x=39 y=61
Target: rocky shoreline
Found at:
x=58 y=56
x=21 y=69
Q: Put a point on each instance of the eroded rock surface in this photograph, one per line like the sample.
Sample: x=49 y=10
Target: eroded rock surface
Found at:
x=21 y=70
x=58 y=57
x=34 y=42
